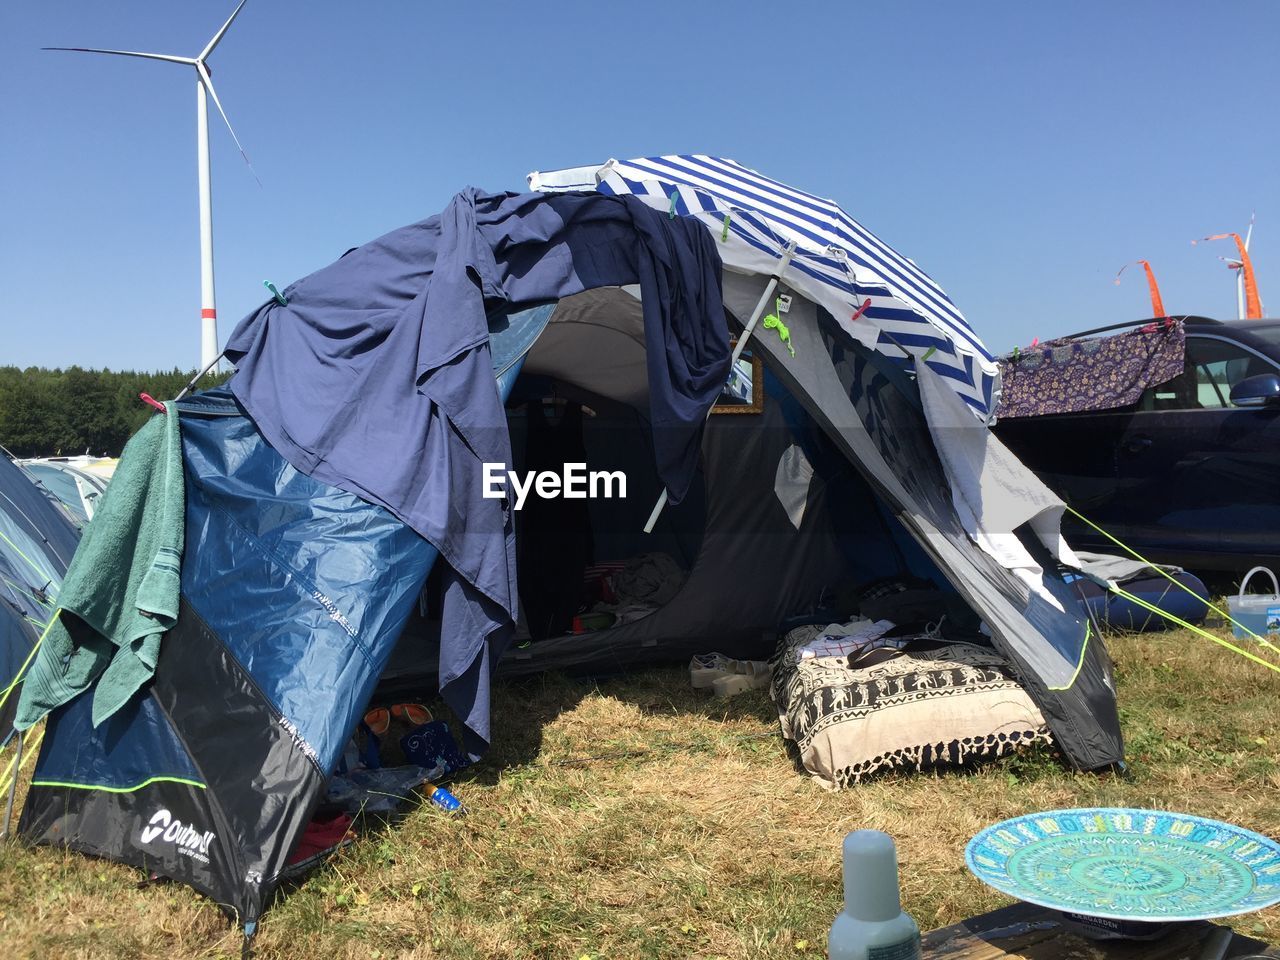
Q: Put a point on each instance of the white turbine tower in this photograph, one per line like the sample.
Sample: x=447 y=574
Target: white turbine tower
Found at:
x=204 y=83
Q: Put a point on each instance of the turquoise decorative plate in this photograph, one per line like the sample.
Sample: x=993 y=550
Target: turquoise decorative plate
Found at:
x=1124 y=864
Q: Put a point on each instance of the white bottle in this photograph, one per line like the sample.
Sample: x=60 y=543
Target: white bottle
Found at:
x=872 y=925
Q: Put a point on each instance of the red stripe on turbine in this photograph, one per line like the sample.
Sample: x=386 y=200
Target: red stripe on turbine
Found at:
x=208 y=314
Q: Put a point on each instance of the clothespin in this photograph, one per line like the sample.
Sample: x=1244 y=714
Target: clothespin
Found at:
x=861 y=310
x=671 y=211
x=724 y=234
x=152 y=402
x=1035 y=341
x=275 y=293
x=1016 y=351
x=928 y=353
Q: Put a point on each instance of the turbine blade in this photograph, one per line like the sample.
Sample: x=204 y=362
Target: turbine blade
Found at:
x=126 y=53
x=217 y=37
x=208 y=85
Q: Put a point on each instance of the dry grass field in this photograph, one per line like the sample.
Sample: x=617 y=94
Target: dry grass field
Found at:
x=635 y=818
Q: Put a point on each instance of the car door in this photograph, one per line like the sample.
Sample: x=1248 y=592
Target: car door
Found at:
x=1073 y=454
x=1198 y=480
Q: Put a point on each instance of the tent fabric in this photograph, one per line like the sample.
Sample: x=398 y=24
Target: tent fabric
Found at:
x=993 y=493
x=838 y=263
x=372 y=331
x=1113 y=569
x=873 y=412
x=376 y=376
x=293 y=595
x=37 y=542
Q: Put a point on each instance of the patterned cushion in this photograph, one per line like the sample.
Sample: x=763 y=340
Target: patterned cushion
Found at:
x=946 y=706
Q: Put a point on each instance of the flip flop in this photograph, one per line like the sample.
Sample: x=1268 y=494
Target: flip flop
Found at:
x=414 y=714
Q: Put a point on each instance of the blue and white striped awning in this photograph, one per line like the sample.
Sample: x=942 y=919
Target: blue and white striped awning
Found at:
x=838 y=263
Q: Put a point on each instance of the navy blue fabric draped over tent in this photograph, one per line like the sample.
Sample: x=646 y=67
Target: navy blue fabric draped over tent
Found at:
x=376 y=376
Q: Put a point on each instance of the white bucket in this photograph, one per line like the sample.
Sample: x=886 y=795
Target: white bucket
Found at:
x=1256 y=612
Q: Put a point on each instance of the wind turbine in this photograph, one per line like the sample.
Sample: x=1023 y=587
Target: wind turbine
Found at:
x=1238 y=267
x=1248 y=303
x=204 y=83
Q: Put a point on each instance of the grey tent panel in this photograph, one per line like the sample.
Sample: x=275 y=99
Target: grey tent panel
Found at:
x=850 y=392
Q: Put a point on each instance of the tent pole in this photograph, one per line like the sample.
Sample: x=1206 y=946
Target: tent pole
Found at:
x=13 y=790
x=765 y=297
x=196 y=379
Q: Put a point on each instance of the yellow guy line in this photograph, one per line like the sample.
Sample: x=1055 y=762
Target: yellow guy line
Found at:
x=29 y=750
x=18 y=550
x=1177 y=583
x=1204 y=633
x=17 y=679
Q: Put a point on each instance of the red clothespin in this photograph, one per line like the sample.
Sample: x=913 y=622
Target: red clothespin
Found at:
x=152 y=402
x=861 y=310
x=1035 y=341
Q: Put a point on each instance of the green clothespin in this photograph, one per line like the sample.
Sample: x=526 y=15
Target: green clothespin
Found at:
x=275 y=293
x=928 y=353
x=671 y=211
x=774 y=322
x=724 y=234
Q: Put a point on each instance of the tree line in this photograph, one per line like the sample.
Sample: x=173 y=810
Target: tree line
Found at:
x=52 y=413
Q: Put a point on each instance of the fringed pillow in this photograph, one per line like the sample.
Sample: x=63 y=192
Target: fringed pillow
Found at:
x=947 y=706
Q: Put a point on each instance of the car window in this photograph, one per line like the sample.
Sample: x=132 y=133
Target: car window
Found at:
x=1212 y=368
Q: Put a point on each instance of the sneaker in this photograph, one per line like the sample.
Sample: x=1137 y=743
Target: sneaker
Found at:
x=706 y=668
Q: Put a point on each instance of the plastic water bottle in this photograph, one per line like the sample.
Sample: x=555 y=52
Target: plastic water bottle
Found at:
x=442 y=798
x=872 y=925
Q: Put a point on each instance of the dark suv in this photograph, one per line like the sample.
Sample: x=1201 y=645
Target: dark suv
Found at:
x=1190 y=474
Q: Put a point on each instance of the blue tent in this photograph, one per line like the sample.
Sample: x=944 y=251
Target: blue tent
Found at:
x=37 y=541
x=338 y=474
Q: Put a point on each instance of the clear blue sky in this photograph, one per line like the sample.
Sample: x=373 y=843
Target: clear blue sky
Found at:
x=1020 y=152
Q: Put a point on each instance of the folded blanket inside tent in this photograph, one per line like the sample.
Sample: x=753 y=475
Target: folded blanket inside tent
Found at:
x=907 y=711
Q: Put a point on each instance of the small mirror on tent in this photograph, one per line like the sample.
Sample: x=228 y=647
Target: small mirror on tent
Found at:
x=744 y=390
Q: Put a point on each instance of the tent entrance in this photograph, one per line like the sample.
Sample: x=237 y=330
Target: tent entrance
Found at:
x=584 y=562
x=583 y=397
x=777 y=520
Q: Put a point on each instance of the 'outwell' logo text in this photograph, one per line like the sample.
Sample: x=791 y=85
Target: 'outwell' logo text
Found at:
x=190 y=841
